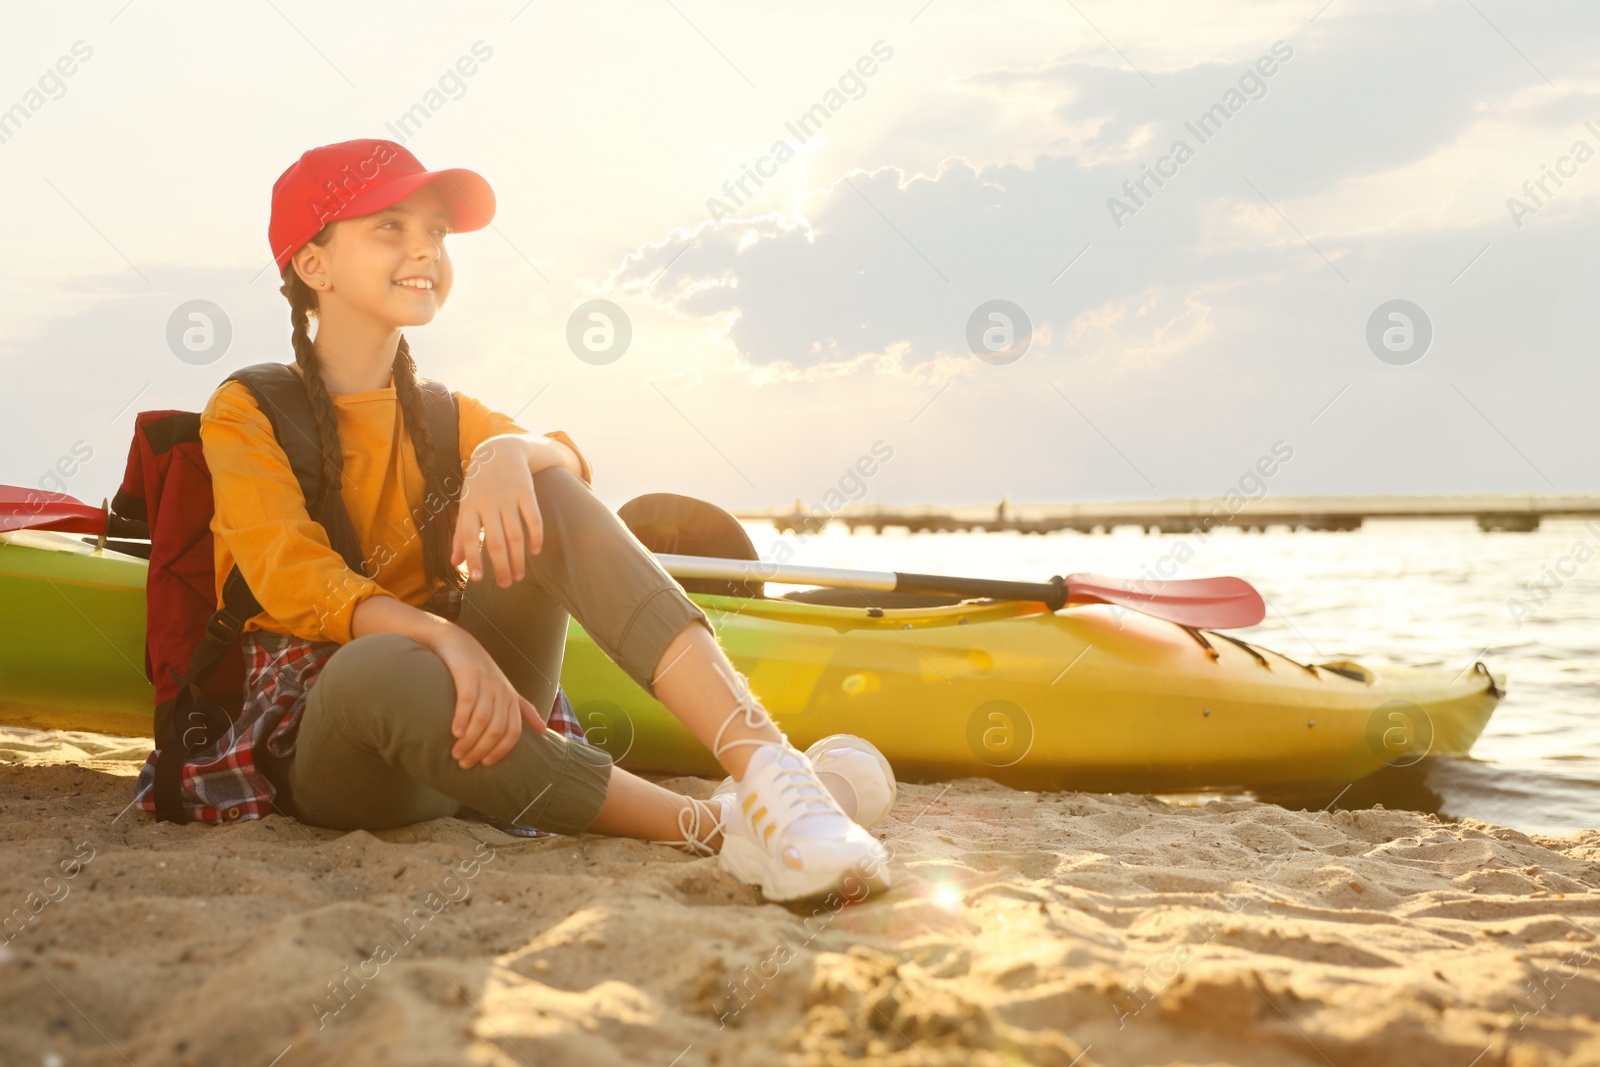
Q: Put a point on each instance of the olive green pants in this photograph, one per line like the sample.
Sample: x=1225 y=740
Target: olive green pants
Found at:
x=374 y=742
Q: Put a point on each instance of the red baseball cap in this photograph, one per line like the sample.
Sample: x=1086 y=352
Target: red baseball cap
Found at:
x=354 y=178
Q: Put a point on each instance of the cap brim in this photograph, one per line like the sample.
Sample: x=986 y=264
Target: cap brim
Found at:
x=469 y=197
x=466 y=196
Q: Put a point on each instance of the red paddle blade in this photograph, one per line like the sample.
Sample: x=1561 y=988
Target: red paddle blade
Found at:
x=1203 y=603
x=35 y=509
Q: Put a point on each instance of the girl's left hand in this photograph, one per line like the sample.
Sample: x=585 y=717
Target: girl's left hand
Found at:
x=489 y=712
x=497 y=497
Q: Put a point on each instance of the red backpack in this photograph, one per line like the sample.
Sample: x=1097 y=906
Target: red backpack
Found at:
x=192 y=654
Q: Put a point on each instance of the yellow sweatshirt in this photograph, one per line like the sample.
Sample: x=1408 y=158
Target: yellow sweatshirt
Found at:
x=261 y=522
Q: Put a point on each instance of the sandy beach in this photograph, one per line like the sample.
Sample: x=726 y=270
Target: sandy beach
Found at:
x=1022 y=928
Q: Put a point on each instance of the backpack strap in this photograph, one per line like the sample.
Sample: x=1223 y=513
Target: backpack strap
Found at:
x=444 y=423
x=281 y=395
x=196 y=719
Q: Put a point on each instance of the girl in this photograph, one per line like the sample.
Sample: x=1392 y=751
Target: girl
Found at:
x=404 y=692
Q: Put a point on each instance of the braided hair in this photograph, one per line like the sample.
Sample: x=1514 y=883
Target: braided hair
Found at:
x=437 y=528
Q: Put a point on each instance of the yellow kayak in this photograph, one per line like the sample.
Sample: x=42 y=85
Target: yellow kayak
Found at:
x=1082 y=698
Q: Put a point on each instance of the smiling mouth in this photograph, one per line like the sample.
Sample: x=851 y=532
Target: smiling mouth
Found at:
x=421 y=285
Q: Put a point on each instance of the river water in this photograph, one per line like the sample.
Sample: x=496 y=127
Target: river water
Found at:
x=1425 y=594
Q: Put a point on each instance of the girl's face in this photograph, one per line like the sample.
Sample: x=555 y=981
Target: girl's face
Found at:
x=364 y=263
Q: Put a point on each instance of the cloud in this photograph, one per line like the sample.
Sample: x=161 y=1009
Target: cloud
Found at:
x=880 y=270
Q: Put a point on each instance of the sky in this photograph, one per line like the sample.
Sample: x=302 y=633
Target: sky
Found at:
x=962 y=260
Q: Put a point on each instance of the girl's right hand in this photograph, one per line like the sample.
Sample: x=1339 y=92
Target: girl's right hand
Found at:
x=489 y=712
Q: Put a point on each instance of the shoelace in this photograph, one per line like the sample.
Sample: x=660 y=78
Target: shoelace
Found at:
x=694 y=835
x=746 y=703
x=796 y=779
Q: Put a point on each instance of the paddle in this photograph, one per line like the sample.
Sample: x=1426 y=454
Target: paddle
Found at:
x=35 y=509
x=1203 y=603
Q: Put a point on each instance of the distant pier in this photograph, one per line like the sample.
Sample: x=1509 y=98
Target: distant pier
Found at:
x=1521 y=514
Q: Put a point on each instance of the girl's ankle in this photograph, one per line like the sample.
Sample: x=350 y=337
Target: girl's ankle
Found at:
x=702 y=832
x=713 y=840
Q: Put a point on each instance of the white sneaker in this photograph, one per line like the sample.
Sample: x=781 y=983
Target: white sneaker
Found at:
x=854 y=772
x=858 y=776
x=789 y=836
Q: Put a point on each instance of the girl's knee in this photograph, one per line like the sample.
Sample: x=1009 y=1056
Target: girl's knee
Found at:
x=393 y=675
x=570 y=511
x=559 y=476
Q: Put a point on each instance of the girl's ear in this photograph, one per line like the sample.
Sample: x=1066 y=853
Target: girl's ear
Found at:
x=311 y=265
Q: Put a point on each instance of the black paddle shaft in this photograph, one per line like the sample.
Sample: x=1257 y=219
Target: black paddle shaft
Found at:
x=1053 y=594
